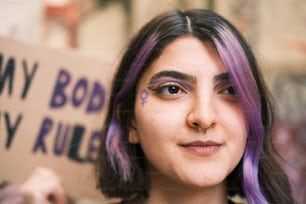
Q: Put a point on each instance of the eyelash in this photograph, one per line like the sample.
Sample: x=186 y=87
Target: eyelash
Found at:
x=160 y=89
x=228 y=90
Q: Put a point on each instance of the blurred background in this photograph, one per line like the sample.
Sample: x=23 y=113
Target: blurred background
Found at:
x=101 y=29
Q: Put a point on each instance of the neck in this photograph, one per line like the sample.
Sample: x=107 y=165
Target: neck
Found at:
x=166 y=192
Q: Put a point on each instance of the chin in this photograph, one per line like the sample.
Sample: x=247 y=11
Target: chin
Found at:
x=205 y=180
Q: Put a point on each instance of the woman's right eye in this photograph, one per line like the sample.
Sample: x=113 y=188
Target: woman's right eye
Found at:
x=169 y=90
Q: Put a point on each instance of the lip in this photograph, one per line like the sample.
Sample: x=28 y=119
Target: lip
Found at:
x=202 y=148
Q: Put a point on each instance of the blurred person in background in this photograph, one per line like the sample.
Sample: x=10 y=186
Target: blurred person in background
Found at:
x=42 y=187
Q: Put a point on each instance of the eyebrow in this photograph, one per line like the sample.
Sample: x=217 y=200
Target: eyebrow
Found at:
x=222 y=77
x=186 y=77
x=221 y=80
x=175 y=75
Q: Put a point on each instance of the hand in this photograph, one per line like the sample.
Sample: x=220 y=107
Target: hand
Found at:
x=44 y=187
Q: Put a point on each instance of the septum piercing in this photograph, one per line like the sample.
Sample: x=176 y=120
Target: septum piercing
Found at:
x=200 y=129
x=203 y=130
x=189 y=24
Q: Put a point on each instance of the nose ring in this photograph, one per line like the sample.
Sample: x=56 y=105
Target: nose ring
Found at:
x=200 y=129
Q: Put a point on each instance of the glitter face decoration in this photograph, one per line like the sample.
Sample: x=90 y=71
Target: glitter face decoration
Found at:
x=144 y=96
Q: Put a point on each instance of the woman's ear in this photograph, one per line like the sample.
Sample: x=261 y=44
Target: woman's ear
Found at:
x=133 y=135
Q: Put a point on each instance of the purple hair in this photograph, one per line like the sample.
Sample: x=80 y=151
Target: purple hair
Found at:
x=115 y=146
x=235 y=60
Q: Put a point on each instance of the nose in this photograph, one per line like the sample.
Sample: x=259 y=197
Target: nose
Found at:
x=202 y=115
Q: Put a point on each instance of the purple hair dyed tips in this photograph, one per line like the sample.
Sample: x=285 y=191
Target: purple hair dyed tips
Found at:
x=236 y=62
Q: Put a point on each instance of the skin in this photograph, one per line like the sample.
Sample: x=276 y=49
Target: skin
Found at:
x=43 y=187
x=167 y=126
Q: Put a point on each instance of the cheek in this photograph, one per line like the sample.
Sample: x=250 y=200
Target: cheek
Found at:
x=235 y=127
x=149 y=107
x=239 y=135
x=238 y=129
x=235 y=133
x=232 y=118
x=152 y=120
x=153 y=132
x=157 y=120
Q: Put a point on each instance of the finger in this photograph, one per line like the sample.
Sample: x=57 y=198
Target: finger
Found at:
x=57 y=197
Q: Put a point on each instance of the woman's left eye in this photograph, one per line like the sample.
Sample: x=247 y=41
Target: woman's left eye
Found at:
x=229 y=91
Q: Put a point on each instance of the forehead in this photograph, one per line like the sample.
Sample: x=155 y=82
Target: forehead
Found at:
x=190 y=55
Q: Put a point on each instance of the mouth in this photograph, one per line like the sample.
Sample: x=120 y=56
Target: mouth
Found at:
x=202 y=148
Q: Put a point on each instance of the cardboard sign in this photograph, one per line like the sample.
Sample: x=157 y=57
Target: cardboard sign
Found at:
x=52 y=105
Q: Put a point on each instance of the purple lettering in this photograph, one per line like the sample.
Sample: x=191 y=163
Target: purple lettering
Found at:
x=79 y=92
x=40 y=142
x=58 y=97
x=61 y=139
x=97 y=99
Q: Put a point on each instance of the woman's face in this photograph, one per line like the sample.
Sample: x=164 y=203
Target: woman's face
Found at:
x=187 y=87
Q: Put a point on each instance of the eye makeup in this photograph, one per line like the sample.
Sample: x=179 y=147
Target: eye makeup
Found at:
x=223 y=83
x=181 y=81
x=226 y=88
x=171 y=79
x=154 y=83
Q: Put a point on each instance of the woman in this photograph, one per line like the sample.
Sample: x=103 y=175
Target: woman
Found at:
x=189 y=118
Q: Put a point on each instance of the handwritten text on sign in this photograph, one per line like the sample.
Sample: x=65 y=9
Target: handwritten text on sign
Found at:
x=68 y=136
